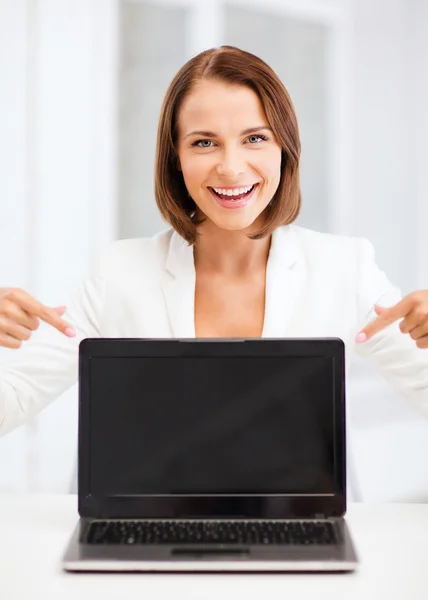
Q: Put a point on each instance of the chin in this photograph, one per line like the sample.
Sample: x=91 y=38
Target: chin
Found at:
x=234 y=224
x=229 y=220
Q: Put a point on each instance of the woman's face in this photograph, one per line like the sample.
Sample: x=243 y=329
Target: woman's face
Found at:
x=228 y=155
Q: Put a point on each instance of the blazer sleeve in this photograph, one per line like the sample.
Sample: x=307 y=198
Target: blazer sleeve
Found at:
x=394 y=354
x=47 y=364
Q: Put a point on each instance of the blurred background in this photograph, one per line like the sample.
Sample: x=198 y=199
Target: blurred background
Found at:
x=81 y=85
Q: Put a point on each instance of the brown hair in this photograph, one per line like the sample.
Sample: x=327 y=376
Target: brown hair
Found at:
x=238 y=67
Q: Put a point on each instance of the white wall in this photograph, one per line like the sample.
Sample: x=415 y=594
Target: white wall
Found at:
x=383 y=210
x=56 y=118
x=417 y=102
x=390 y=208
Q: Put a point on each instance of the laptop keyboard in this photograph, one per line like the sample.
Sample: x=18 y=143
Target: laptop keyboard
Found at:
x=212 y=532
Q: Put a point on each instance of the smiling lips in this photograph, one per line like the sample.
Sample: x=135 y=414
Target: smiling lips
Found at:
x=233 y=197
x=233 y=194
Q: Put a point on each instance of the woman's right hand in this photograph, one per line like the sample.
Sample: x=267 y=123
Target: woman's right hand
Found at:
x=20 y=315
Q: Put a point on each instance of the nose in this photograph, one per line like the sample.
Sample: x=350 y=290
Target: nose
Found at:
x=231 y=164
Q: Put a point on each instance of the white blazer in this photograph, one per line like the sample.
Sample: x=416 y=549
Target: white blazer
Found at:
x=317 y=284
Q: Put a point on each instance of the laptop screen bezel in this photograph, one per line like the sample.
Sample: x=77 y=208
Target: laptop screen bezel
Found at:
x=185 y=507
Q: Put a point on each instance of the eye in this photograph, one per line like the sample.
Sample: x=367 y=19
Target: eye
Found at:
x=202 y=143
x=263 y=138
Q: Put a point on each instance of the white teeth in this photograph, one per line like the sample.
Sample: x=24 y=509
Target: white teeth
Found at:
x=235 y=192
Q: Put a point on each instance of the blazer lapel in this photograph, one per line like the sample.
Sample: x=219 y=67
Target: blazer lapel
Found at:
x=284 y=282
x=178 y=286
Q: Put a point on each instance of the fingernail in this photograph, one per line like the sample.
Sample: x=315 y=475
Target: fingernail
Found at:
x=70 y=332
x=361 y=337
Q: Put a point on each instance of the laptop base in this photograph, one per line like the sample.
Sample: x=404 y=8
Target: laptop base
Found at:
x=83 y=557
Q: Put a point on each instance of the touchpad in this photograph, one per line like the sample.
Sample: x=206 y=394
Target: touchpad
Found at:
x=204 y=553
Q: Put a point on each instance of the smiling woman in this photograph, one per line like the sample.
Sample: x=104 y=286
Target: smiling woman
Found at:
x=233 y=264
x=227 y=139
x=236 y=166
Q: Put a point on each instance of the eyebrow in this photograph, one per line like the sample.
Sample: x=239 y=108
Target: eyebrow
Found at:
x=212 y=134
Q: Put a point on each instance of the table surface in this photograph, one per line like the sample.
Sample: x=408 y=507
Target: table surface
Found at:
x=391 y=539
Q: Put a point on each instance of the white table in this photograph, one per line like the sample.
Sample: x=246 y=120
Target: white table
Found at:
x=392 y=541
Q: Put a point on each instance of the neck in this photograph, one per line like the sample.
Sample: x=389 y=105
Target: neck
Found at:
x=230 y=253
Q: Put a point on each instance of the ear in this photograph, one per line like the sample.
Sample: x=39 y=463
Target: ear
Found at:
x=178 y=164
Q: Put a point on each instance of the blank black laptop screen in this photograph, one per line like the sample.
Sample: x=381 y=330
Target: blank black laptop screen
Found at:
x=217 y=425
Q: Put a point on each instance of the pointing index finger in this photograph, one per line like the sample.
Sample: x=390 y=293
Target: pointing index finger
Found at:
x=45 y=313
x=50 y=316
x=387 y=317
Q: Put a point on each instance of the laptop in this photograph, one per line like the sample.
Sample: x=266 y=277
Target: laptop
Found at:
x=211 y=455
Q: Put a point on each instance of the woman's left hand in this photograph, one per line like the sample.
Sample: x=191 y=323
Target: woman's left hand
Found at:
x=412 y=309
